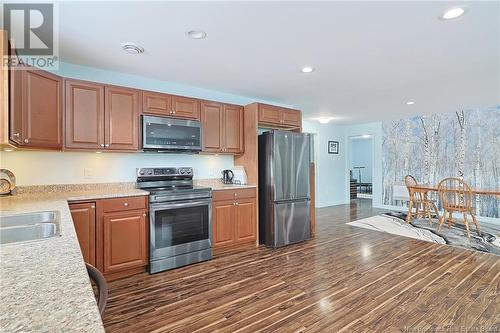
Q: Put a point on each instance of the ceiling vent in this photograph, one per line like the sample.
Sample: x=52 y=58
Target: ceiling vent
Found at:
x=132 y=48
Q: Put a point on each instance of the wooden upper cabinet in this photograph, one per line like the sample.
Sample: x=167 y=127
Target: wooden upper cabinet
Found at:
x=84 y=115
x=185 y=107
x=269 y=114
x=121 y=118
x=292 y=118
x=211 y=122
x=233 y=128
x=124 y=241
x=279 y=117
x=170 y=105
x=83 y=215
x=36 y=109
x=222 y=126
x=156 y=103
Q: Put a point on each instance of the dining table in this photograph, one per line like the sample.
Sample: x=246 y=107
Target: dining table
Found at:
x=424 y=189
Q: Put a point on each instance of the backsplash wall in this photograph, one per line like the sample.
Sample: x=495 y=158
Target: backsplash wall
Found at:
x=43 y=168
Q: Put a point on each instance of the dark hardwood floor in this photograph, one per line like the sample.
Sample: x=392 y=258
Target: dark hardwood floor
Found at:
x=347 y=279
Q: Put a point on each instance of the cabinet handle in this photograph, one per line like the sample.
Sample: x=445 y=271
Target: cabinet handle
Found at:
x=106 y=145
x=144 y=214
x=237 y=203
x=16 y=135
x=173 y=112
x=125 y=204
x=93 y=206
x=26 y=141
x=102 y=144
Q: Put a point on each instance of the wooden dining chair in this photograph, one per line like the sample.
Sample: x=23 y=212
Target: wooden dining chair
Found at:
x=456 y=196
x=102 y=287
x=420 y=200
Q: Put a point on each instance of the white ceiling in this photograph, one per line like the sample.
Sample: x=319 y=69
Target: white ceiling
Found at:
x=371 y=57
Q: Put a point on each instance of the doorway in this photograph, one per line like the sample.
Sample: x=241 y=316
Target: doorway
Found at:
x=360 y=165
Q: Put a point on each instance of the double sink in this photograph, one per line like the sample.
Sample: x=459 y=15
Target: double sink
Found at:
x=29 y=226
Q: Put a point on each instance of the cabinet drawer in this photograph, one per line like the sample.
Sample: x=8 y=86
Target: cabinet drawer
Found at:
x=121 y=204
x=219 y=195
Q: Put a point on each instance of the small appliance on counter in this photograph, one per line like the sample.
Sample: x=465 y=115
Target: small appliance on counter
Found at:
x=236 y=176
x=7 y=182
x=180 y=225
x=240 y=175
x=227 y=176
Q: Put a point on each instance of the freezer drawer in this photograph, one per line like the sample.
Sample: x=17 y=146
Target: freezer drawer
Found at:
x=291 y=222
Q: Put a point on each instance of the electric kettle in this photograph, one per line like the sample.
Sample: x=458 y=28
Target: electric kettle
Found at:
x=227 y=176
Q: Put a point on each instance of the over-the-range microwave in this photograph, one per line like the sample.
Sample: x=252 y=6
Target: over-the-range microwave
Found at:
x=170 y=135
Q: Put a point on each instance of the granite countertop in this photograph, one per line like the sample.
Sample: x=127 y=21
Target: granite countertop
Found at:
x=217 y=185
x=44 y=285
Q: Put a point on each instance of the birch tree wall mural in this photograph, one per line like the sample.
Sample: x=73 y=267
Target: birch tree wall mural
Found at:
x=463 y=144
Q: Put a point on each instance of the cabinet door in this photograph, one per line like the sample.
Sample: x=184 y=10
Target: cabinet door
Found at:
x=83 y=215
x=121 y=114
x=223 y=216
x=246 y=223
x=156 y=103
x=185 y=107
x=233 y=128
x=124 y=240
x=15 y=106
x=37 y=109
x=84 y=115
x=269 y=114
x=291 y=118
x=211 y=122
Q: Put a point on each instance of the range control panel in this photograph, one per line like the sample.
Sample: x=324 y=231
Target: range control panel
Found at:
x=164 y=172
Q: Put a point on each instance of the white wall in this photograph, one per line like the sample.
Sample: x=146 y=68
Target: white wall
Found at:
x=41 y=168
x=330 y=168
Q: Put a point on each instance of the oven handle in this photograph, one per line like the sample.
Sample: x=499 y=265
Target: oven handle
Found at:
x=161 y=206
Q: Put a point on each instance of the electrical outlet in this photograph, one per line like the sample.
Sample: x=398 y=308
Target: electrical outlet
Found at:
x=88 y=173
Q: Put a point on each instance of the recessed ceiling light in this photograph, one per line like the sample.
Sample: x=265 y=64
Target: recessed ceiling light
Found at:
x=453 y=13
x=324 y=120
x=307 y=69
x=132 y=48
x=197 y=34
x=410 y=102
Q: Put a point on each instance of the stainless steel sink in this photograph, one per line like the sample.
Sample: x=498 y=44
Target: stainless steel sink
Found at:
x=29 y=226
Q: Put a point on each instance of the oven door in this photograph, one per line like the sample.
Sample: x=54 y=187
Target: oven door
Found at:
x=159 y=133
x=179 y=227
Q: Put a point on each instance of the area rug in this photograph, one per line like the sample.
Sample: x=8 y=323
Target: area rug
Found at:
x=395 y=223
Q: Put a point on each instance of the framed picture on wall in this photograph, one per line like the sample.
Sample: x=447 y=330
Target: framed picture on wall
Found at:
x=333 y=147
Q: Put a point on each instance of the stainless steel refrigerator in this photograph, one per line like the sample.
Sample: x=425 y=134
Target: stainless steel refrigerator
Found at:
x=284 y=189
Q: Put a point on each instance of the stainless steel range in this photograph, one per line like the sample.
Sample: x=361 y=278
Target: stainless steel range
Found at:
x=179 y=218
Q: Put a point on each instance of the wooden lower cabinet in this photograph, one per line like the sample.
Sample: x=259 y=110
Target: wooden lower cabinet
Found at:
x=83 y=215
x=124 y=241
x=223 y=223
x=113 y=234
x=245 y=228
x=234 y=219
